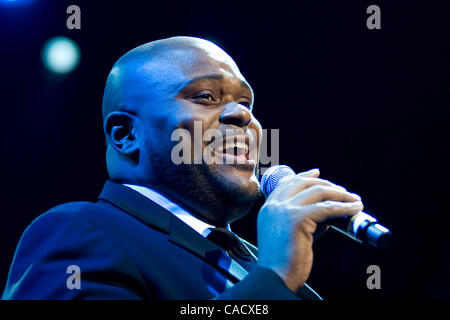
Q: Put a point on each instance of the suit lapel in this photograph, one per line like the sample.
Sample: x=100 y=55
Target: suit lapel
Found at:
x=137 y=205
x=180 y=233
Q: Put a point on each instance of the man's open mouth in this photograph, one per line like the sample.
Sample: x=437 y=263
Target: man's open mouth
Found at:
x=234 y=150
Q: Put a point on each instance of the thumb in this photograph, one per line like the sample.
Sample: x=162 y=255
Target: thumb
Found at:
x=313 y=173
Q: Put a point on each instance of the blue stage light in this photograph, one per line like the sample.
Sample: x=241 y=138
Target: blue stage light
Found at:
x=61 y=55
x=14 y=3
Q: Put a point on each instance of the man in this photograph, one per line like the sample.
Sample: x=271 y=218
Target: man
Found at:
x=160 y=230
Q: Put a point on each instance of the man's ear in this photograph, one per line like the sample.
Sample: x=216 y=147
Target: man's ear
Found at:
x=121 y=134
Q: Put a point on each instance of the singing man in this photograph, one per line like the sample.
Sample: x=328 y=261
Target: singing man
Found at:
x=160 y=229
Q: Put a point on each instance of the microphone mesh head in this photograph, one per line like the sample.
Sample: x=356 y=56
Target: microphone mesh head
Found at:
x=272 y=177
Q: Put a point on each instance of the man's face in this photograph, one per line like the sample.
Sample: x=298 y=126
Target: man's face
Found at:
x=203 y=91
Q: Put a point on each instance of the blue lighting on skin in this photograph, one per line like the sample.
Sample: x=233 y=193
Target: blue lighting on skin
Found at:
x=61 y=55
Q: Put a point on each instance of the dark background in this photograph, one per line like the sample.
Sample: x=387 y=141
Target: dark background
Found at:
x=367 y=107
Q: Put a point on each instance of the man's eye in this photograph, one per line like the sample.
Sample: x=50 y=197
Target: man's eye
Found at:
x=245 y=104
x=206 y=96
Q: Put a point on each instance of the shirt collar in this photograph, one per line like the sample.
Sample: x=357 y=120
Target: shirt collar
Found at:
x=198 y=225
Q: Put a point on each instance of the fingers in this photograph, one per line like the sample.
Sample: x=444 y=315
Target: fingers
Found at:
x=313 y=173
x=322 y=211
x=298 y=184
x=285 y=189
x=323 y=192
x=322 y=198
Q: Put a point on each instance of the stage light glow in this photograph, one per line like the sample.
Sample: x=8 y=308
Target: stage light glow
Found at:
x=61 y=55
x=14 y=3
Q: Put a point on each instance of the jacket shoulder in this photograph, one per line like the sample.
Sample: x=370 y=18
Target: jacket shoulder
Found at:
x=63 y=237
x=74 y=208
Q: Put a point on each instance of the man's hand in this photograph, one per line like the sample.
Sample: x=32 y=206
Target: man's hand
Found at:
x=288 y=219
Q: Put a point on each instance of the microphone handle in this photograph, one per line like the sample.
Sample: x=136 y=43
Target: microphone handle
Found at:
x=362 y=228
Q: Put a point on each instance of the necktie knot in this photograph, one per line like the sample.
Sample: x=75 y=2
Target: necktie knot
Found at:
x=228 y=241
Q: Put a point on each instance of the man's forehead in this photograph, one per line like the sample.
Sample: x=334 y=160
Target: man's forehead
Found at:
x=189 y=62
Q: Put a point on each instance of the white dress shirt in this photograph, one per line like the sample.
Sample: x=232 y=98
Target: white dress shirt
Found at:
x=198 y=225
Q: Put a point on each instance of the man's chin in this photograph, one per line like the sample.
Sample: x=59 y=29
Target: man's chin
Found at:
x=238 y=180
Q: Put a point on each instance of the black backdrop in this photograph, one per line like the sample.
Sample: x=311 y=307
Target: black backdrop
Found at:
x=367 y=107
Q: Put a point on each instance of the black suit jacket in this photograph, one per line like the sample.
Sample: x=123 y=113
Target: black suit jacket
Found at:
x=128 y=247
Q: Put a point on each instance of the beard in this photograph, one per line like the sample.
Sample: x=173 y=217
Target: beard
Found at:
x=213 y=193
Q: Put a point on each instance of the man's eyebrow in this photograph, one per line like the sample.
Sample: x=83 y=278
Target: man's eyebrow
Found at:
x=244 y=84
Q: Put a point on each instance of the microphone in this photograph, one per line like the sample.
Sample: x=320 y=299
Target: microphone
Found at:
x=360 y=227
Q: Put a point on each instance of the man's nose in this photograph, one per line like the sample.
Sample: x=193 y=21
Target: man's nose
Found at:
x=235 y=114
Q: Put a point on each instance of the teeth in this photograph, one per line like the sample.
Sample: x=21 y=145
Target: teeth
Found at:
x=238 y=145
